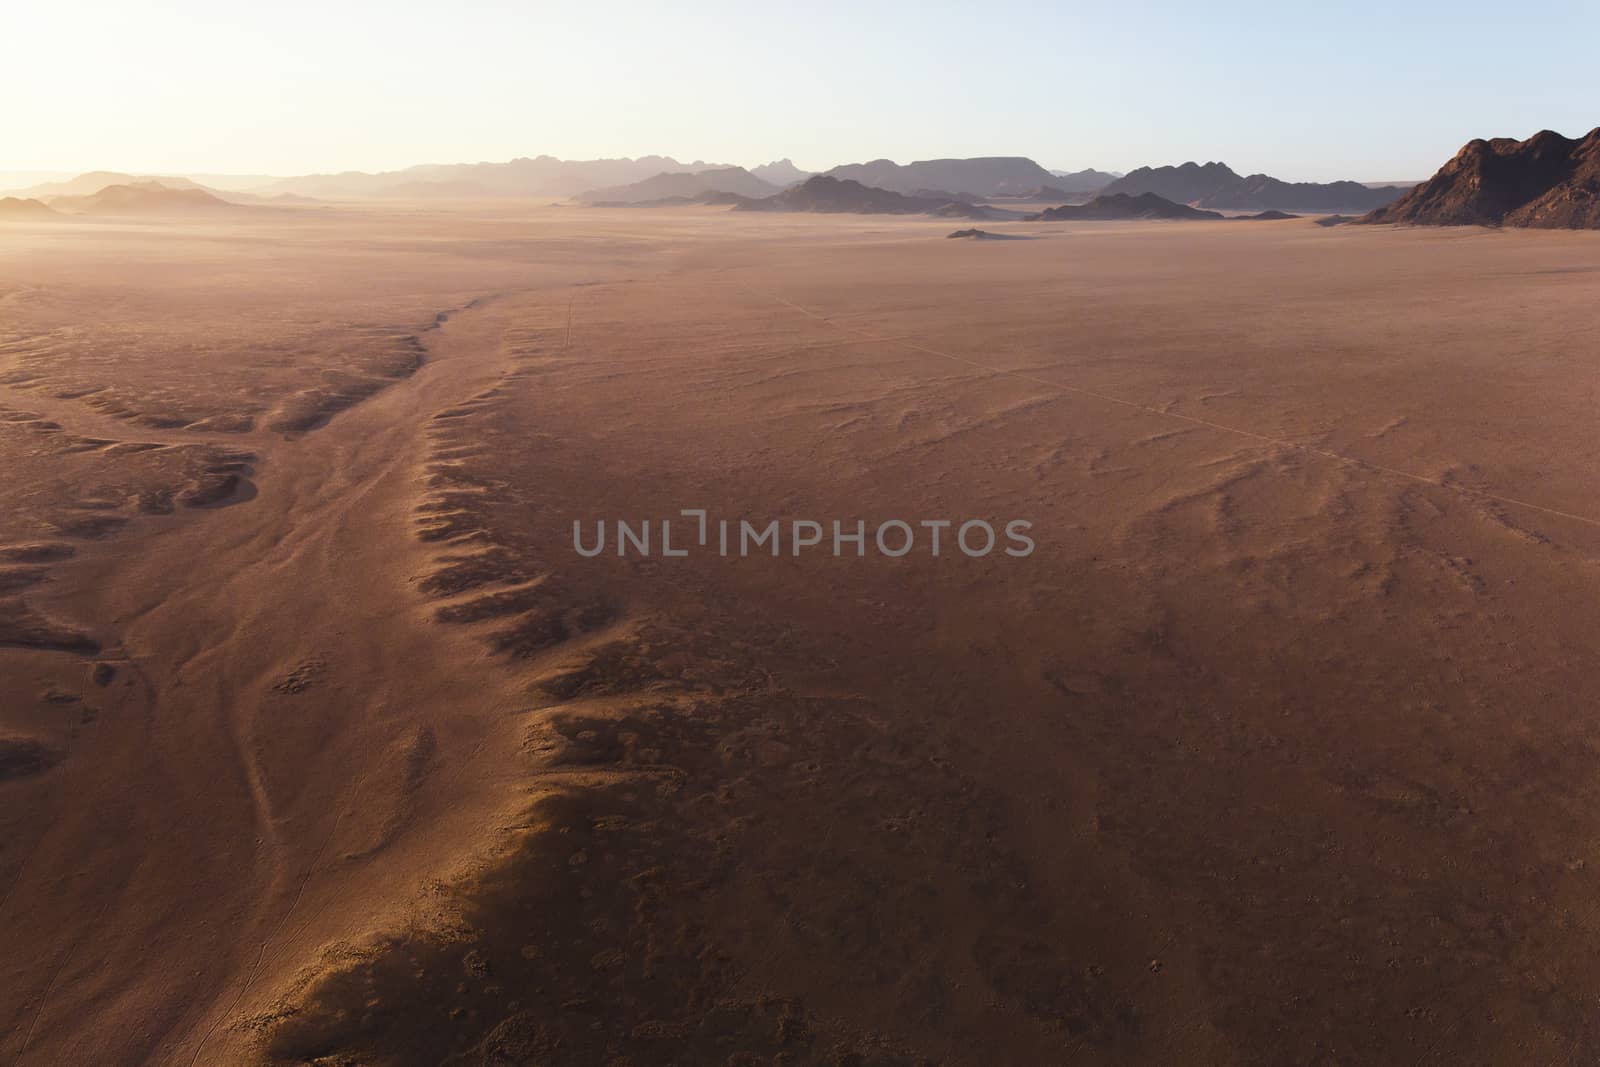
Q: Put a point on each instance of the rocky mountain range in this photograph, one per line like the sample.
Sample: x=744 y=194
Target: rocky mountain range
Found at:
x=1109 y=207
x=685 y=184
x=537 y=176
x=1548 y=182
x=1218 y=187
x=22 y=209
x=981 y=177
x=595 y=180
x=1083 y=181
x=146 y=198
x=781 y=172
x=92 y=182
x=662 y=179
x=824 y=193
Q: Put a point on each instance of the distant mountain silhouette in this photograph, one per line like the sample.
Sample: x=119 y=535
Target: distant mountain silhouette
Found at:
x=147 y=198
x=1182 y=184
x=718 y=197
x=96 y=180
x=1082 y=181
x=780 y=172
x=1260 y=192
x=540 y=176
x=944 y=196
x=547 y=176
x=1050 y=194
x=18 y=209
x=963 y=209
x=712 y=197
x=1114 y=206
x=981 y=177
x=1267 y=216
x=824 y=193
x=687 y=184
x=1217 y=186
x=1548 y=181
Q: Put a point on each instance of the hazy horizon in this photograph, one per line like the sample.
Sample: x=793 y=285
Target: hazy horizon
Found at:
x=297 y=89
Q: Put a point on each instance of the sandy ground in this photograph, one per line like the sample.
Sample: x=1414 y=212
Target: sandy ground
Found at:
x=320 y=743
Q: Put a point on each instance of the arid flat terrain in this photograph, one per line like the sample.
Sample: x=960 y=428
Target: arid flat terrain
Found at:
x=321 y=743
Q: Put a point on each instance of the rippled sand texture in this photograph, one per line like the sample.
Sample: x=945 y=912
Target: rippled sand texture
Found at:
x=319 y=743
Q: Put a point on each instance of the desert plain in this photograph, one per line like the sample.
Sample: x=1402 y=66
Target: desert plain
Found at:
x=321 y=743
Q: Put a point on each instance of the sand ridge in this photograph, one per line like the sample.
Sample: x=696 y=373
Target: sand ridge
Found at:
x=212 y=656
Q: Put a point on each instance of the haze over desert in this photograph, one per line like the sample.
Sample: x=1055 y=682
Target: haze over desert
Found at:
x=1064 y=593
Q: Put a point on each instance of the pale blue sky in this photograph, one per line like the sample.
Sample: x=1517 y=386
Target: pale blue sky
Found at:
x=1304 y=91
